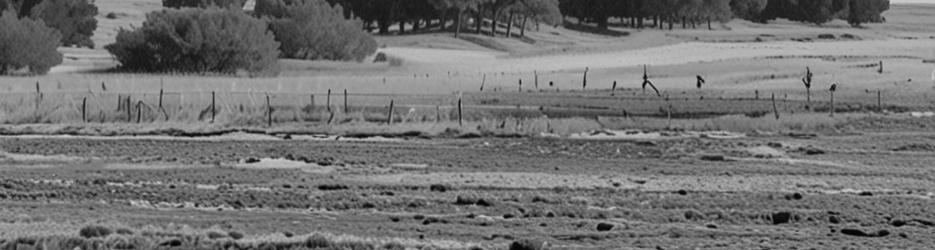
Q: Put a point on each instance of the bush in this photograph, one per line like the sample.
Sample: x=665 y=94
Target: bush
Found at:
x=198 y=41
x=313 y=29
x=27 y=45
x=235 y=235
x=94 y=231
x=73 y=18
x=317 y=241
x=203 y=3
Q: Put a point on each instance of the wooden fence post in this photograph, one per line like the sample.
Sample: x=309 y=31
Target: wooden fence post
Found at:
x=460 y=113
x=438 y=115
x=832 y=103
x=520 y=85
x=213 y=110
x=38 y=96
x=311 y=102
x=139 y=111
x=345 y=101
x=269 y=112
x=160 y=97
x=328 y=101
x=536 y=75
x=84 y=109
x=483 y=82
x=389 y=116
x=613 y=89
x=129 y=109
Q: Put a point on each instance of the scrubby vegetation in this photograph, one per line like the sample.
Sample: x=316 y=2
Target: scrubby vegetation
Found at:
x=313 y=29
x=74 y=19
x=198 y=40
x=26 y=45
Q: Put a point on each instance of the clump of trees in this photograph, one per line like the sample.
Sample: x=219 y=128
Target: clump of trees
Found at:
x=203 y=3
x=855 y=12
x=198 y=40
x=451 y=14
x=314 y=29
x=74 y=19
x=27 y=45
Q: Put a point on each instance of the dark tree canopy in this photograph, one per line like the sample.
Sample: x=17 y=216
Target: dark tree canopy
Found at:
x=203 y=3
x=27 y=44
x=74 y=19
x=314 y=29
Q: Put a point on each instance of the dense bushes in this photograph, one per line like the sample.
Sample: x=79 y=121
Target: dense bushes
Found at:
x=27 y=45
x=74 y=19
x=203 y=3
x=198 y=40
x=313 y=29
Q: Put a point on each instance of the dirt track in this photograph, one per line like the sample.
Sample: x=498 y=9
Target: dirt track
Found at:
x=869 y=191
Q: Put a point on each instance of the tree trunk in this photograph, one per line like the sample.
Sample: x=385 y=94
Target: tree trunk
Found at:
x=602 y=22
x=655 y=21
x=493 y=24
x=478 y=20
x=384 y=27
x=684 y=22
x=402 y=27
x=442 y=19
x=509 y=25
x=709 y=24
x=522 y=30
x=671 y=22
x=458 y=23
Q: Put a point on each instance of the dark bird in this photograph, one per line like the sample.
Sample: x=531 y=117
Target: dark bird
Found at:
x=834 y=87
x=701 y=81
x=647 y=82
x=103 y=87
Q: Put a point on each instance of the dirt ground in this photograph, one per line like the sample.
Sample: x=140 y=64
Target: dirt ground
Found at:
x=859 y=191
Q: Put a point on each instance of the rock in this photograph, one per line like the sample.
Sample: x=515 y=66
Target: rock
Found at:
x=713 y=158
x=251 y=160
x=834 y=219
x=682 y=192
x=603 y=227
x=814 y=151
x=781 y=218
x=528 y=245
x=441 y=188
x=794 y=196
x=865 y=193
x=711 y=226
x=861 y=233
x=694 y=215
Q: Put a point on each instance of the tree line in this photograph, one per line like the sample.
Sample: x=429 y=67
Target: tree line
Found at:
x=459 y=15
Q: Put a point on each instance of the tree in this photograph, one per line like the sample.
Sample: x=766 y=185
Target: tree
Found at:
x=313 y=29
x=27 y=45
x=748 y=9
x=866 y=11
x=73 y=18
x=197 y=41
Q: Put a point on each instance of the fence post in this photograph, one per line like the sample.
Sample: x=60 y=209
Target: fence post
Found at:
x=775 y=109
x=328 y=101
x=139 y=111
x=269 y=112
x=536 y=74
x=38 y=96
x=460 y=113
x=584 y=82
x=613 y=89
x=389 y=116
x=520 y=85
x=483 y=82
x=311 y=99
x=129 y=110
x=438 y=115
x=213 y=110
x=345 y=101
x=832 y=103
x=84 y=109
x=160 y=97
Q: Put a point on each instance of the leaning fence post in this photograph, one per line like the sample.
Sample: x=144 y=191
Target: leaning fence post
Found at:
x=213 y=110
x=389 y=116
x=613 y=89
x=160 y=97
x=269 y=112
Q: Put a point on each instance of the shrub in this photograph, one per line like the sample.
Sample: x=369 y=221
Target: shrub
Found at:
x=27 y=44
x=203 y=3
x=313 y=29
x=235 y=235
x=73 y=18
x=317 y=241
x=198 y=41
x=94 y=231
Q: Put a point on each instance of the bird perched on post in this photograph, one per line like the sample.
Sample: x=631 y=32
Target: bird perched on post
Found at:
x=834 y=87
x=701 y=81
